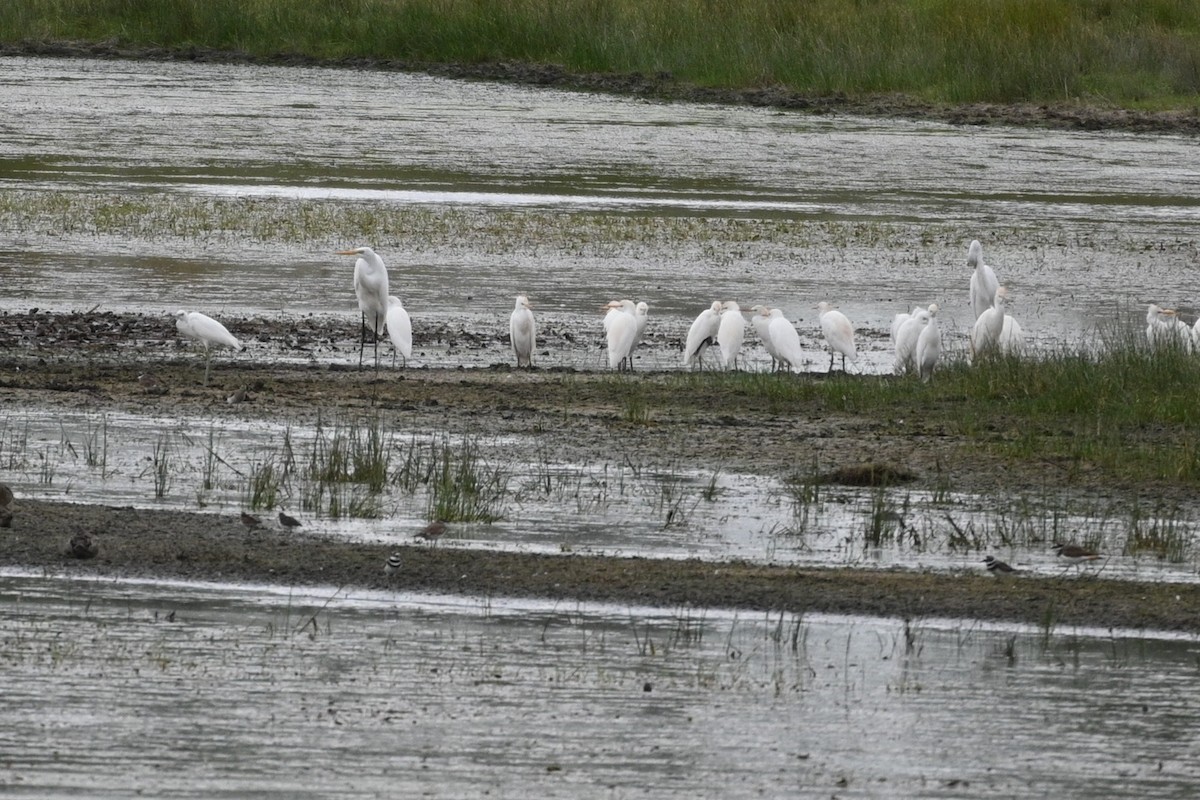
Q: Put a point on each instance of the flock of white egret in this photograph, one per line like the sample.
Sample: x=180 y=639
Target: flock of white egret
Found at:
x=915 y=336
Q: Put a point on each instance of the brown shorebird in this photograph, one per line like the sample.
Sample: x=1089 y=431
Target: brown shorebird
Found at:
x=82 y=546
x=288 y=522
x=393 y=564
x=998 y=567
x=432 y=532
x=250 y=521
x=1074 y=554
x=6 y=496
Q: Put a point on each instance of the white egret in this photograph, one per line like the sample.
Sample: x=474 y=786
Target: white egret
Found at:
x=760 y=320
x=838 y=332
x=985 y=336
x=522 y=331
x=929 y=344
x=984 y=282
x=620 y=328
x=785 y=340
x=399 y=329
x=371 y=289
x=1012 y=338
x=731 y=333
x=701 y=334
x=1166 y=329
x=906 y=337
x=207 y=331
x=641 y=313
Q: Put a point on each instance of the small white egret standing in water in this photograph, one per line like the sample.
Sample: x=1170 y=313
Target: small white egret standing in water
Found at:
x=207 y=331
x=839 y=334
x=620 y=329
x=641 y=313
x=522 y=331
x=371 y=289
x=906 y=335
x=399 y=328
x=985 y=336
x=702 y=334
x=760 y=320
x=731 y=333
x=785 y=340
x=929 y=344
x=984 y=282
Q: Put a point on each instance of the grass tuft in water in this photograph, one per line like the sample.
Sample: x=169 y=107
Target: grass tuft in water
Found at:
x=463 y=486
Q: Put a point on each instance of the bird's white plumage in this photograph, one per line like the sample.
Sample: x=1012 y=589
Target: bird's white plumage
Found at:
x=702 y=333
x=522 y=331
x=985 y=336
x=620 y=329
x=785 y=340
x=730 y=333
x=370 y=286
x=206 y=330
x=929 y=344
x=399 y=327
x=1012 y=337
x=906 y=338
x=760 y=320
x=984 y=282
x=838 y=333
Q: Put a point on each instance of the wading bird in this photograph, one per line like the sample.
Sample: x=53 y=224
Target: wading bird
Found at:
x=399 y=329
x=985 y=336
x=620 y=330
x=760 y=320
x=371 y=289
x=250 y=521
x=523 y=332
x=929 y=344
x=207 y=331
x=838 y=333
x=731 y=333
x=702 y=334
x=785 y=340
x=288 y=521
x=998 y=567
x=905 y=335
x=432 y=532
x=984 y=282
x=392 y=566
x=83 y=546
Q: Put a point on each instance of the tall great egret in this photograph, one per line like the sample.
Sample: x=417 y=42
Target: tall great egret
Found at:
x=207 y=331
x=399 y=328
x=371 y=289
x=838 y=332
x=641 y=313
x=620 y=329
x=731 y=333
x=985 y=336
x=929 y=344
x=522 y=331
x=983 y=280
x=785 y=340
x=760 y=320
x=702 y=334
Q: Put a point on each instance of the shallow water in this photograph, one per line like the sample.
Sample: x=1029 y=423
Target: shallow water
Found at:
x=190 y=690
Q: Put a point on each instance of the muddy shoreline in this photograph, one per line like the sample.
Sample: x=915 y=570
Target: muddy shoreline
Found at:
x=663 y=86
x=574 y=413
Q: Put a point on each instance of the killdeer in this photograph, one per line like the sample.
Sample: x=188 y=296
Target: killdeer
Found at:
x=288 y=522
x=433 y=531
x=250 y=521
x=82 y=546
x=393 y=564
x=1074 y=554
x=998 y=567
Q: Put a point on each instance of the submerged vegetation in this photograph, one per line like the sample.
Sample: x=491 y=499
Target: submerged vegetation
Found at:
x=1130 y=54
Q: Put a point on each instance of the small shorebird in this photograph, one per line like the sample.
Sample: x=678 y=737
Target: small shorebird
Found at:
x=1074 y=554
x=998 y=567
x=393 y=564
x=432 y=532
x=250 y=521
x=240 y=396
x=82 y=546
x=288 y=521
x=6 y=495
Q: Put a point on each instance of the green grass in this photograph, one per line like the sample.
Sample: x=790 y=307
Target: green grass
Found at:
x=1121 y=52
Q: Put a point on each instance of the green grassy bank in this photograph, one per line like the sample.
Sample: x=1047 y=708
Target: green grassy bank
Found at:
x=1108 y=52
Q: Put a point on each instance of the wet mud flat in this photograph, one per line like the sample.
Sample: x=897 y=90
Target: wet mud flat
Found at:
x=190 y=546
x=574 y=413
x=663 y=86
